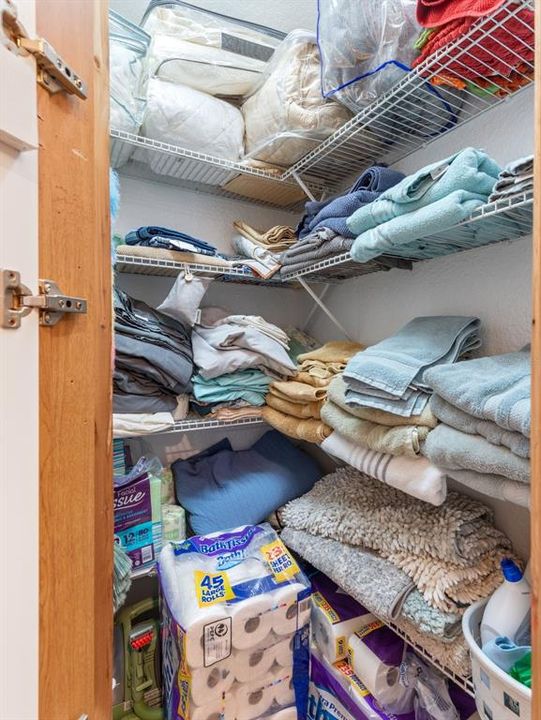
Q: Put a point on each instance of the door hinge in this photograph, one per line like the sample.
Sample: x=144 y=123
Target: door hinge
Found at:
x=17 y=301
x=54 y=74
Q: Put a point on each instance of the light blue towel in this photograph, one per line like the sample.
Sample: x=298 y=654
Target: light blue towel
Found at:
x=393 y=236
x=470 y=169
x=494 y=388
x=504 y=653
x=248 y=385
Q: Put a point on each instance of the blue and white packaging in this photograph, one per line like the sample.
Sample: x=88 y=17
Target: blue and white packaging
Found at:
x=235 y=630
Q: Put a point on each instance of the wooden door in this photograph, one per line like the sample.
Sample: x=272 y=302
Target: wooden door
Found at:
x=75 y=375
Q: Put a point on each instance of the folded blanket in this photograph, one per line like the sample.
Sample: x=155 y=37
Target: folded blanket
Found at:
x=390 y=374
x=352 y=507
x=469 y=170
x=460 y=420
x=454 y=450
x=416 y=477
x=495 y=388
x=402 y=236
x=322 y=244
x=296 y=391
x=374 y=582
x=494 y=486
x=335 y=213
x=299 y=410
x=313 y=431
x=401 y=440
x=337 y=393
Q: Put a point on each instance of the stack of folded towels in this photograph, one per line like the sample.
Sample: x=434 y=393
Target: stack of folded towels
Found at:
x=236 y=357
x=262 y=249
x=323 y=230
x=515 y=179
x=294 y=407
x=408 y=562
x=483 y=440
x=427 y=203
x=379 y=410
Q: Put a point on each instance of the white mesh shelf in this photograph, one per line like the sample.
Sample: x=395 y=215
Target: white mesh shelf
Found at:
x=196 y=424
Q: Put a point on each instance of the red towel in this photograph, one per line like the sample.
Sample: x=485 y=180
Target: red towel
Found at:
x=432 y=13
x=490 y=50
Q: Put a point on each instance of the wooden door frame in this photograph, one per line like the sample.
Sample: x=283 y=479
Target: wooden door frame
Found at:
x=76 y=527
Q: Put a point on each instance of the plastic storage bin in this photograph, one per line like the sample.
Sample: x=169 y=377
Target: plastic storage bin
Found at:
x=498 y=696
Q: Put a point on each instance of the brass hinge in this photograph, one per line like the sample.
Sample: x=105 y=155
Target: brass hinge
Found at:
x=17 y=301
x=54 y=74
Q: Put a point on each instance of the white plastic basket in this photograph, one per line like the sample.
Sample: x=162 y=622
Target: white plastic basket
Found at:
x=498 y=696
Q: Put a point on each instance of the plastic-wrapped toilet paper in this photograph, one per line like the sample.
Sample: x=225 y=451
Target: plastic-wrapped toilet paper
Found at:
x=252 y=664
x=220 y=709
x=375 y=654
x=255 y=699
x=335 y=616
x=284 y=692
x=289 y=713
x=252 y=621
x=288 y=614
x=283 y=650
x=208 y=684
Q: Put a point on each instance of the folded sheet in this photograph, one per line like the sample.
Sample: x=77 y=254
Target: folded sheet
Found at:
x=248 y=385
x=451 y=449
x=416 y=477
x=310 y=430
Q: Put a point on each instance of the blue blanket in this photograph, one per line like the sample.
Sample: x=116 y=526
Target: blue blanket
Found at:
x=156 y=236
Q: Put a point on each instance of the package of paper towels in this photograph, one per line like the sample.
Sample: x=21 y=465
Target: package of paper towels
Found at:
x=235 y=627
x=335 y=616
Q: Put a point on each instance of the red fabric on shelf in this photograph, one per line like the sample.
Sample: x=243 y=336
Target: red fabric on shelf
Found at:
x=432 y=13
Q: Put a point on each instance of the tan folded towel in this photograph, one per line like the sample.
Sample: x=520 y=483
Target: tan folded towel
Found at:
x=305 y=377
x=299 y=410
x=402 y=440
x=231 y=414
x=328 y=360
x=313 y=431
x=336 y=393
x=276 y=238
x=175 y=255
x=296 y=391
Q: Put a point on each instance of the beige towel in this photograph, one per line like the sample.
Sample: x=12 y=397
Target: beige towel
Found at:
x=401 y=440
x=276 y=238
x=328 y=360
x=313 y=431
x=317 y=382
x=296 y=391
x=336 y=393
x=231 y=414
x=298 y=410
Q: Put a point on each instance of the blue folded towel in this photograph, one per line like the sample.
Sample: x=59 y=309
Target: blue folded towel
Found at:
x=156 y=236
x=504 y=653
x=377 y=178
x=470 y=169
x=221 y=488
x=495 y=388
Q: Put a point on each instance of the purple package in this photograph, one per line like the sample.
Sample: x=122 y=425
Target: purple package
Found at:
x=137 y=519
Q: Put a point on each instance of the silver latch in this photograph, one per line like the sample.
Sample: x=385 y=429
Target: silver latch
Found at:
x=54 y=74
x=17 y=301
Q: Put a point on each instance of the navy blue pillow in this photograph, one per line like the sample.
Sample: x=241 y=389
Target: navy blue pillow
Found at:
x=222 y=488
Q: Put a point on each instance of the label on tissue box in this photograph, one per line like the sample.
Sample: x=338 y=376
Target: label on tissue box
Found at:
x=212 y=588
x=282 y=565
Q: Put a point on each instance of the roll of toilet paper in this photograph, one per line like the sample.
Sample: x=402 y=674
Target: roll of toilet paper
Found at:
x=208 y=684
x=331 y=638
x=250 y=665
x=252 y=621
x=221 y=709
x=283 y=651
x=284 y=692
x=203 y=632
x=289 y=713
x=255 y=698
x=249 y=569
x=375 y=656
x=288 y=615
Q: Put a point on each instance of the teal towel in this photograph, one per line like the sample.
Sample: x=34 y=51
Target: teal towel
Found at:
x=248 y=385
x=402 y=236
x=470 y=169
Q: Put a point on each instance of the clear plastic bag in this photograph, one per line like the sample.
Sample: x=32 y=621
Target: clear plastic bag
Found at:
x=366 y=47
x=286 y=115
x=432 y=699
x=128 y=46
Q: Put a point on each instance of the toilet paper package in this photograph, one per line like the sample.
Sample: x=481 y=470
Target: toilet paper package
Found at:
x=335 y=616
x=235 y=627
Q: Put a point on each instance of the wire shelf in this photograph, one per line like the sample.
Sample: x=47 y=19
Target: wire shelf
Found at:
x=196 y=424
x=203 y=172
x=505 y=219
x=419 y=109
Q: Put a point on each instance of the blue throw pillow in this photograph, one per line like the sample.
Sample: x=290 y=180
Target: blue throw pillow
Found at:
x=222 y=488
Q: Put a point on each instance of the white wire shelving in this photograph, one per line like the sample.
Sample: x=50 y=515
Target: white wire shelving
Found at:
x=197 y=424
x=419 y=109
x=504 y=220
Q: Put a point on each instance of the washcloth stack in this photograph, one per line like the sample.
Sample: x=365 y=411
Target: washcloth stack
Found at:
x=236 y=357
x=403 y=219
x=262 y=249
x=294 y=406
x=406 y=561
x=483 y=440
x=323 y=231
x=499 y=61
x=515 y=180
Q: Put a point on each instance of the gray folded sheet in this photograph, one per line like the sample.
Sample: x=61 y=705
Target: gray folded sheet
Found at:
x=373 y=581
x=451 y=449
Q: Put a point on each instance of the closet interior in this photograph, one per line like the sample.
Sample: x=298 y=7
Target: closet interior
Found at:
x=322 y=253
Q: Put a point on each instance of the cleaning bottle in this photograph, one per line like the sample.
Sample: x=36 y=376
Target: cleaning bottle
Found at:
x=509 y=606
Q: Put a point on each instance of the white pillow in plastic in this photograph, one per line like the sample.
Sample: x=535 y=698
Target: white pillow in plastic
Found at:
x=127 y=106
x=180 y=115
x=184 y=298
x=206 y=68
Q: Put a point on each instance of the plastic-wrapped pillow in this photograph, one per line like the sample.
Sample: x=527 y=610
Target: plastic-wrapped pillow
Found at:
x=180 y=115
